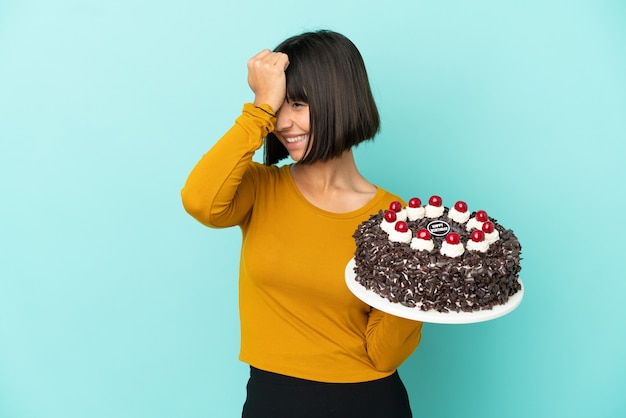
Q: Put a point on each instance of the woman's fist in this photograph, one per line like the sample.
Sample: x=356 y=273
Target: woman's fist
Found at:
x=266 y=77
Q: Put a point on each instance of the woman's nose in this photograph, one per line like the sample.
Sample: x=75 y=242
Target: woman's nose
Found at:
x=283 y=118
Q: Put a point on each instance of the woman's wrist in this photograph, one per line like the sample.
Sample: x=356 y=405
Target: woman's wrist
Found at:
x=266 y=108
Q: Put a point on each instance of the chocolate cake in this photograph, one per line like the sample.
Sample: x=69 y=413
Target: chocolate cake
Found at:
x=437 y=258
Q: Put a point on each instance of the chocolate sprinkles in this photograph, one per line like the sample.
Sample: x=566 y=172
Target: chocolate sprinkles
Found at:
x=471 y=282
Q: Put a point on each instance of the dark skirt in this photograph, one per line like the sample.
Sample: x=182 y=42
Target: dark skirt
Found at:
x=271 y=395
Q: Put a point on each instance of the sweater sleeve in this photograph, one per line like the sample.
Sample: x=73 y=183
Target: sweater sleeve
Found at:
x=217 y=192
x=391 y=339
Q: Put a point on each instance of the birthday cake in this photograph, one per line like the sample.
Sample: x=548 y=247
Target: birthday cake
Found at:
x=431 y=257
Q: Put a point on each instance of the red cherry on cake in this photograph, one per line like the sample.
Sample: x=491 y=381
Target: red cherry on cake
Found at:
x=390 y=216
x=435 y=201
x=481 y=216
x=488 y=227
x=478 y=236
x=415 y=202
x=395 y=206
x=401 y=226
x=423 y=234
x=453 y=238
x=460 y=206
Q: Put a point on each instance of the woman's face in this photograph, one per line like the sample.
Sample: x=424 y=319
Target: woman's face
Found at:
x=293 y=128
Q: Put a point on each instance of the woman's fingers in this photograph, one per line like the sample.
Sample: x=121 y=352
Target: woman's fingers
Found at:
x=269 y=59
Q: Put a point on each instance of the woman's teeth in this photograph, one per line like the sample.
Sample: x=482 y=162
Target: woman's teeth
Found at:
x=296 y=139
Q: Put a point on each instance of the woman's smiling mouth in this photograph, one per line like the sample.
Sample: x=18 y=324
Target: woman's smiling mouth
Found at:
x=296 y=139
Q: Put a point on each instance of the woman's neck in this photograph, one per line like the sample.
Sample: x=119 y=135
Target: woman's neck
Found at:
x=334 y=185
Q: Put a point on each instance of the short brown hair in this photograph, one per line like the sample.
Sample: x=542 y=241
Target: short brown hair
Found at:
x=327 y=71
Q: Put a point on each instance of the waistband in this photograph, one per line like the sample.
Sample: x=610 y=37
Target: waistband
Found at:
x=281 y=379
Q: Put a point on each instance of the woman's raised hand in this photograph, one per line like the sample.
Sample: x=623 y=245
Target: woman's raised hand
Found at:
x=266 y=77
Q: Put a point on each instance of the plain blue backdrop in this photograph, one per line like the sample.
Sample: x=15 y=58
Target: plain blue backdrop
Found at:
x=115 y=303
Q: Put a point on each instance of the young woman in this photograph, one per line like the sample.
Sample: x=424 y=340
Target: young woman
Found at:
x=314 y=349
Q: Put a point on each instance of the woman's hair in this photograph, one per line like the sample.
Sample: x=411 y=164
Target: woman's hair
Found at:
x=327 y=72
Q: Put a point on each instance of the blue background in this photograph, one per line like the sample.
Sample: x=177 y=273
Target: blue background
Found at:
x=115 y=303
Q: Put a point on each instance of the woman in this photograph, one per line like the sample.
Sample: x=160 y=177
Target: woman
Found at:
x=314 y=349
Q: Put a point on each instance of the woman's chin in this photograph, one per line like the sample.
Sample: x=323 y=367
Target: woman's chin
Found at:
x=296 y=156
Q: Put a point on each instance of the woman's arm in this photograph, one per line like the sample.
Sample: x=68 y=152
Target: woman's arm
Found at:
x=391 y=339
x=215 y=192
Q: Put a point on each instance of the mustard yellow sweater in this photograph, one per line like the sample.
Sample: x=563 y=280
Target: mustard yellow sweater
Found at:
x=297 y=316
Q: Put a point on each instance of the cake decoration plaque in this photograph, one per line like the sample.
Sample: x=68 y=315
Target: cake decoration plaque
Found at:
x=438 y=228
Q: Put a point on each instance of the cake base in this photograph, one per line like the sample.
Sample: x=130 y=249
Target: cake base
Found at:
x=379 y=302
